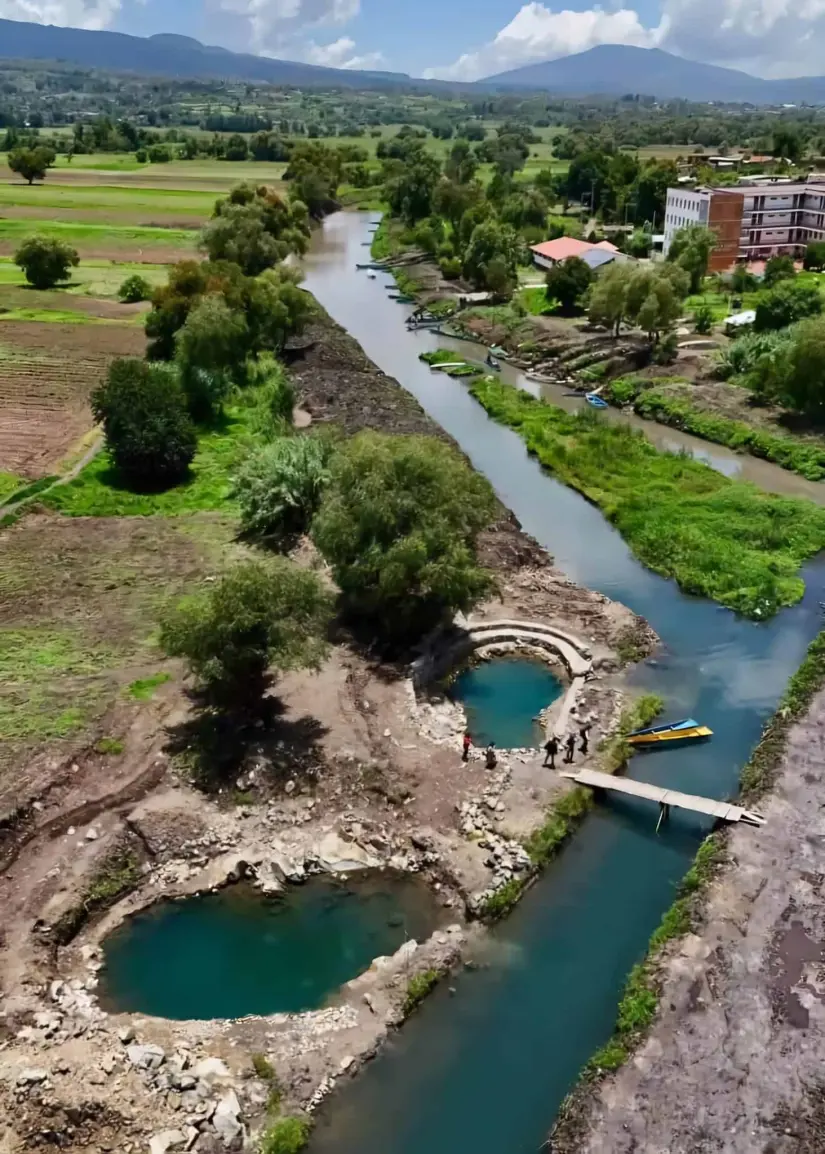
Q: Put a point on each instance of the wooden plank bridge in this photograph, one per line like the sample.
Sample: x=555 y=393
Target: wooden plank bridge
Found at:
x=666 y=798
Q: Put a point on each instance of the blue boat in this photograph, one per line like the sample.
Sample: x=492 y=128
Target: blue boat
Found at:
x=595 y=401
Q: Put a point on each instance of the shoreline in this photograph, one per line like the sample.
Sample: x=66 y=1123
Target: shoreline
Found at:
x=722 y=1023
x=183 y=842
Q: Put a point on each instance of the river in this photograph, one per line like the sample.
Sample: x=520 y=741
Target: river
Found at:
x=485 y=1063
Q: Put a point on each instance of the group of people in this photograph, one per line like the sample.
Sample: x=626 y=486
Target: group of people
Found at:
x=490 y=755
x=552 y=746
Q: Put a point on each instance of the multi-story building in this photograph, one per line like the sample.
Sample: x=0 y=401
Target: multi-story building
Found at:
x=753 y=220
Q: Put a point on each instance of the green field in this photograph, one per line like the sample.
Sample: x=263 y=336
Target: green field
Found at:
x=92 y=278
x=105 y=236
x=102 y=197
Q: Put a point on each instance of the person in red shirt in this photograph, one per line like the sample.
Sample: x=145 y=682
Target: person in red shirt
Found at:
x=465 y=747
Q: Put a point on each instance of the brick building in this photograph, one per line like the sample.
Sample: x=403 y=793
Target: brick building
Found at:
x=752 y=220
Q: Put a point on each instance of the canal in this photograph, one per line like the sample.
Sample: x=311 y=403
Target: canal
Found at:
x=486 y=1062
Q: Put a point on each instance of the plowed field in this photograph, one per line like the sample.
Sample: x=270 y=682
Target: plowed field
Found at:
x=47 y=372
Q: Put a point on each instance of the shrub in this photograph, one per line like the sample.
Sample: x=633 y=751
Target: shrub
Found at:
x=211 y=354
x=279 y=488
x=158 y=154
x=144 y=415
x=703 y=318
x=788 y=302
x=450 y=268
x=135 y=288
x=815 y=255
x=778 y=268
x=45 y=260
x=274 y=396
x=260 y=615
x=398 y=523
x=625 y=390
x=418 y=987
x=142 y=156
x=286 y=1136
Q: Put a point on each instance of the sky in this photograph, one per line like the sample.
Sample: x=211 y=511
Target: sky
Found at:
x=465 y=39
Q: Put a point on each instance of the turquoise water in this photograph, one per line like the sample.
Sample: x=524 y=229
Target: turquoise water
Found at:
x=502 y=698
x=237 y=951
x=485 y=1069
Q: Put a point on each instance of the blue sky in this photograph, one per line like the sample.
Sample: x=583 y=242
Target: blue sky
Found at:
x=467 y=39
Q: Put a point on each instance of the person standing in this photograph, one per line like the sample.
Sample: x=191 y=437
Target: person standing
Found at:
x=490 y=754
x=466 y=742
x=584 y=734
x=570 y=747
x=551 y=748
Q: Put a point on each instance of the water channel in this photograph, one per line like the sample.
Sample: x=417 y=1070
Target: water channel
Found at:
x=486 y=1067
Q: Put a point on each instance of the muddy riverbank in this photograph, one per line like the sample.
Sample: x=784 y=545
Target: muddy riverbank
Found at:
x=359 y=769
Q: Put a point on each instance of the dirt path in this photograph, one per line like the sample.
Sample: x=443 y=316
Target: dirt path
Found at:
x=736 y=1060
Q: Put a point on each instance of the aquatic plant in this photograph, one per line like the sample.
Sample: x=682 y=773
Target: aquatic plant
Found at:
x=718 y=538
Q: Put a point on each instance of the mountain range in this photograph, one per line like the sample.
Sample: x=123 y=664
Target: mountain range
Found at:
x=609 y=69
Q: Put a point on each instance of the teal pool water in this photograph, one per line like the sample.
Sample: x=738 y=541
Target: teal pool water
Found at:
x=502 y=697
x=237 y=951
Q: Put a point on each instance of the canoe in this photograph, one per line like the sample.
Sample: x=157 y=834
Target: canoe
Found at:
x=671 y=734
x=595 y=401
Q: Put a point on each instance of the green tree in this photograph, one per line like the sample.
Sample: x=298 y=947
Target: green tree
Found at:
x=134 y=289
x=491 y=241
x=608 y=296
x=410 y=193
x=149 y=434
x=31 y=163
x=260 y=618
x=462 y=163
x=211 y=352
x=649 y=194
x=567 y=282
x=314 y=173
x=398 y=524
x=778 y=268
x=690 y=249
x=788 y=302
x=815 y=255
x=452 y=200
x=240 y=235
x=787 y=143
x=279 y=488
x=45 y=260
x=802 y=373
x=742 y=281
x=587 y=177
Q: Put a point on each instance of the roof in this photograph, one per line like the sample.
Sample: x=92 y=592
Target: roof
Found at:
x=597 y=256
x=567 y=246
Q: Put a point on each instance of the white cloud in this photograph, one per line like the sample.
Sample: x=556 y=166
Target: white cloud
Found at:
x=272 y=23
x=340 y=54
x=764 y=37
x=90 y=14
x=537 y=33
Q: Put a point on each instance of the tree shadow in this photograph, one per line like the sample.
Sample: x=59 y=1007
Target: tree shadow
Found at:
x=260 y=749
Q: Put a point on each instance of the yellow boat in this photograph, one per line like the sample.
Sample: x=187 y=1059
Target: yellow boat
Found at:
x=672 y=734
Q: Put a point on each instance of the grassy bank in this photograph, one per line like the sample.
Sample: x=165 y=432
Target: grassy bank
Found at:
x=800 y=457
x=566 y=815
x=640 y=1000
x=717 y=538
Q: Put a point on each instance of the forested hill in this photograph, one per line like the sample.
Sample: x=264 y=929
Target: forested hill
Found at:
x=169 y=55
x=616 y=69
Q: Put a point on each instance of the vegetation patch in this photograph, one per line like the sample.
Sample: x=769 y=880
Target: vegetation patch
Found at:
x=109 y=746
x=144 y=688
x=718 y=538
x=286 y=1136
x=418 y=988
x=118 y=874
x=800 y=457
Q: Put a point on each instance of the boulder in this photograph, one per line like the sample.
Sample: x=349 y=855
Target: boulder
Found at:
x=226 y=1118
x=166 y=1140
x=146 y=1057
x=339 y=856
x=209 y=1069
x=32 y=1076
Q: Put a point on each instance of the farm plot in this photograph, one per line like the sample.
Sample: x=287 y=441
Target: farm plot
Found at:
x=106 y=241
x=119 y=206
x=79 y=602
x=47 y=373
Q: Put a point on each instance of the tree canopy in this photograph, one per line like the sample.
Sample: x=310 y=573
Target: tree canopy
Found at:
x=690 y=249
x=567 y=282
x=31 y=163
x=45 y=260
x=397 y=524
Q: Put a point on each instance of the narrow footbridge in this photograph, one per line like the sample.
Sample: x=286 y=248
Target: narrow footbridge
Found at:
x=666 y=798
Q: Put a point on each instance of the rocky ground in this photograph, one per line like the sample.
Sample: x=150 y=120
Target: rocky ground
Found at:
x=358 y=772
x=735 y=1060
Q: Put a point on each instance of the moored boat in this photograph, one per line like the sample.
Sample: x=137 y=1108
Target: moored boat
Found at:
x=595 y=401
x=670 y=734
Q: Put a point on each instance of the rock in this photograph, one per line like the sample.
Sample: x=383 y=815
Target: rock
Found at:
x=61 y=1066
x=32 y=1076
x=56 y=990
x=346 y=1063
x=108 y=1063
x=339 y=856
x=208 y=1069
x=187 y=1082
x=166 y=1140
x=126 y=1034
x=92 y=835
x=226 y=1118
x=289 y=787
x=146 y=1057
